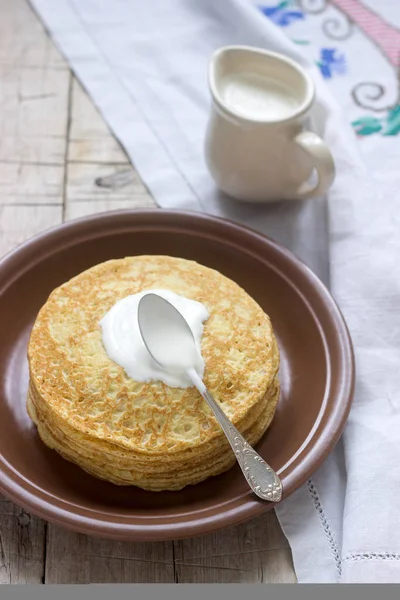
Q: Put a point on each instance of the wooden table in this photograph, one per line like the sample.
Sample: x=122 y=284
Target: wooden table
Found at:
x=53 y=146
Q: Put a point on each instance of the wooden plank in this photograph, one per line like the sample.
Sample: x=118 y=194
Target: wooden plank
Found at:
x=19 y=223
x=33 y=117
x=90 y=139
x=33 y=99
x=23 y=41
x=21 y=545
x=85 y=197
x=28 y=184
x=82 y=186
x=78 y=210
x=76 y=558
x=256 y=551
x=33 y=112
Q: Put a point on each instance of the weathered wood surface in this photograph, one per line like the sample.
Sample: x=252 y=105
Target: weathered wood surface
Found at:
x=53 y=146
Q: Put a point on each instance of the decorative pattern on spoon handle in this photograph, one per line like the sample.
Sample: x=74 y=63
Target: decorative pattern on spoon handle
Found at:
x=261 y=478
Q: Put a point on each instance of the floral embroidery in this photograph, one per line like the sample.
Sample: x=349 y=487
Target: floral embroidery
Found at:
x=331 y=62
x=388 y=125
x=393 y=121
x=367 y=125
x=281 y=14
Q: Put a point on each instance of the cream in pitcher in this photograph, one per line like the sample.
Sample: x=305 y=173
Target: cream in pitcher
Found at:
x=254 y=96
x=256 y=146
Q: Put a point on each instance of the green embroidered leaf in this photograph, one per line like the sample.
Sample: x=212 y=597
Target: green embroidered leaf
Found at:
x=393 y=121
x=367 y=125
x=285 y=4
x=301 y=42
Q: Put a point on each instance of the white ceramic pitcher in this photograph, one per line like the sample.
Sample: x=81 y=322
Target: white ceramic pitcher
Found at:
x=256 y=147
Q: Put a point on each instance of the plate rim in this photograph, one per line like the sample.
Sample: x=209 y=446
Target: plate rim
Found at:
x=247 y=506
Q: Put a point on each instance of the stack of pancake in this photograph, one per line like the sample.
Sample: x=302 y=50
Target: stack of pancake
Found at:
x=148 y=434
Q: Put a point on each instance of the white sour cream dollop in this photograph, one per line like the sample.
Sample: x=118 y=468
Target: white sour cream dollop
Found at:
x=124 y=345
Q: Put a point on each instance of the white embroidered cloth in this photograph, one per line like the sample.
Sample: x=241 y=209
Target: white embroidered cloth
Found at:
x=145 y=66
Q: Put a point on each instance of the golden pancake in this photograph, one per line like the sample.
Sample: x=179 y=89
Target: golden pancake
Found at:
x=148 y=434
x=123 y=456
x=129 y=460
x=172 y=481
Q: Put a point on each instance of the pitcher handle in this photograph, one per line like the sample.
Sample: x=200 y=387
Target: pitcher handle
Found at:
x=323 y=163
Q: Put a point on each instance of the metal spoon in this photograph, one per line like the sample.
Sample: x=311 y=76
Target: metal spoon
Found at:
x=169 y=340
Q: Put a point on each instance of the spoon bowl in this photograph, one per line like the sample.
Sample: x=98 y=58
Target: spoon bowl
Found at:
x=166 y=334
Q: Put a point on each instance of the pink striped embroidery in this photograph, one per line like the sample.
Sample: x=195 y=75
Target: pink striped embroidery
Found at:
x=383 y=34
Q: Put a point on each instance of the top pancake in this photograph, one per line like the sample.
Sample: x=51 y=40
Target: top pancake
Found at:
x=83 y=388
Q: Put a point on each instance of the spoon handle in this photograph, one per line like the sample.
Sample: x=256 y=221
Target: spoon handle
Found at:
x=261 y=478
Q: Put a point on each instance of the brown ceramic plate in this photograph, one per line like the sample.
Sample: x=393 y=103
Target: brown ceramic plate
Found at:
x=317 y=373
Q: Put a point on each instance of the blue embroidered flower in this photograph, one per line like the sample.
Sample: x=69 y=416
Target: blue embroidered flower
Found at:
x=331 y=62
x=280 y=14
